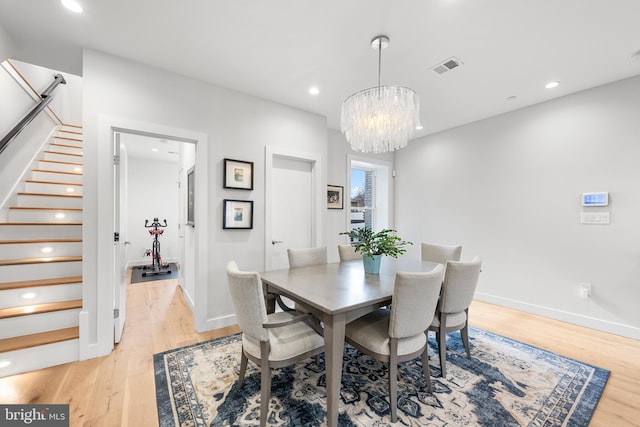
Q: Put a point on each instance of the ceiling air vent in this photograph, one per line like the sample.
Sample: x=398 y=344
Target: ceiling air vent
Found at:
x=447 y=65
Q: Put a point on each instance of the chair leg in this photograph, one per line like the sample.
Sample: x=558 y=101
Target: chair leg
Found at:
x=243 y=368
x=425 y=367
x=393 y=378
x=265 y=383
x=442 y=347
x=464 y=332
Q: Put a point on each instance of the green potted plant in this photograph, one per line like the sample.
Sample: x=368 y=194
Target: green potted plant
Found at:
x=372 y=245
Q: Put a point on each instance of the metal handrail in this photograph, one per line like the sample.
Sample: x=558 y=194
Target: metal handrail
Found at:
x=46 y=98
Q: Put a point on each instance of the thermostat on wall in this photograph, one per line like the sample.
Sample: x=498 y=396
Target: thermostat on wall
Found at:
x=595 y=199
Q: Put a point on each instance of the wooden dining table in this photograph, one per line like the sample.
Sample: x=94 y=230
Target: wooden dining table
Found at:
x=337 y=293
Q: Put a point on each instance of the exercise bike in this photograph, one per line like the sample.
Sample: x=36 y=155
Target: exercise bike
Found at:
x=156 y=267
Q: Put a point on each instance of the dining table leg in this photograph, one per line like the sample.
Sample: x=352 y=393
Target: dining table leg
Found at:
x=333 y=353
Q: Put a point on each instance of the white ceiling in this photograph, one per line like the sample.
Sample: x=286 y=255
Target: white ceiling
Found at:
x=277 y=49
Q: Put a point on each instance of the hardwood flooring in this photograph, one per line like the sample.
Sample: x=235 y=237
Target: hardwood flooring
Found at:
x=119 y=389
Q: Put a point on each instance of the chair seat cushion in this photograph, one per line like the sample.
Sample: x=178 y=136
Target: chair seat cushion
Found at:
x=454 y=320
x=286 y=341
x=372 y=332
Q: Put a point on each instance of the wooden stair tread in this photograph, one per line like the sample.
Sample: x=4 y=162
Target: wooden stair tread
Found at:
x=41 y=282
x=57 y=144
x=42 y=338
x=61 y=163
x=70 y=131
x=68 y=138
x=68 y=125
x=62 y=153
x=38 y=241
x=22 y=193
x=39 y=223
x=42 y=260
x=32 y=208
x=50 y=171
x=35 y=181
x=49 y=307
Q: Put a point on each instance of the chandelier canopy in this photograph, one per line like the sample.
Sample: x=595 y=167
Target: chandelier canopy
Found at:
x=381 y=118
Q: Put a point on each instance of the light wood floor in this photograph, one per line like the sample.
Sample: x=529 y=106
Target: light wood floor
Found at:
x=119 y=389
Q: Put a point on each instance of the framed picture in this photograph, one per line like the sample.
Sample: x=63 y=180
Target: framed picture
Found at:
x=334 y=197
x=238 y=174
x=191 y=188
x=238 y=214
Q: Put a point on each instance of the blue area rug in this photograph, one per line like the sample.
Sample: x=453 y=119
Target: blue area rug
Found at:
x=505 y=383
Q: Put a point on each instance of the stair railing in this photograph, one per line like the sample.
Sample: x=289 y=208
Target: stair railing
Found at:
x=45 y=99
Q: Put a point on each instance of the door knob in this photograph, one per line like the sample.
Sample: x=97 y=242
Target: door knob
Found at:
x=273 y=242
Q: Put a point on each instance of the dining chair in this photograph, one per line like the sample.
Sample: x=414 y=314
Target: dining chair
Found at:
x=440 y=253
x=398 y=334
x=302 y=257
x=268 y=340
x=348 y=253
x=452 y=314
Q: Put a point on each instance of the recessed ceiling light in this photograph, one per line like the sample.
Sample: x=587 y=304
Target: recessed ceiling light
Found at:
x=551 y=85
x=155 y=150
x=314 y=90
x=72 y=5
x=419 y=127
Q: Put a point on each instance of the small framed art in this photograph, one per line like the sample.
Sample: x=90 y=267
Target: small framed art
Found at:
x=335 y=197
x=237 y=214
x=238 y=174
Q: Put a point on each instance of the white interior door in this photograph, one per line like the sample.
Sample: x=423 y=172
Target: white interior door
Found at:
x=120 y=237
x=292 y=219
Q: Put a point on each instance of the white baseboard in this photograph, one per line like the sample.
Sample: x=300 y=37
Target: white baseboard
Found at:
x=565 y=316
x=217 y=323
x=34 y=358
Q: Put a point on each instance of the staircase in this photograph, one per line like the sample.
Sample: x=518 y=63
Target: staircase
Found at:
x=41 y=261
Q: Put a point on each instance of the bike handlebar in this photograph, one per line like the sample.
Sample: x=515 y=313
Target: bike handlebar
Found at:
x=155 y=223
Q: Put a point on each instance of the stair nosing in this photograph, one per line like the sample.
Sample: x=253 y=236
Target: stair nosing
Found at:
x=62 y=153
x=39 y=339
x=38 y=241
x=24 y=193
x=40 y=282
x=34 y=208
x=40 y=223
x=60 y=163
x=35 y=181
x=51 y=171
x=41 y=260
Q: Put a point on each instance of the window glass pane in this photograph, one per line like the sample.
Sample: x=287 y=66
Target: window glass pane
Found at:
x=362 y=198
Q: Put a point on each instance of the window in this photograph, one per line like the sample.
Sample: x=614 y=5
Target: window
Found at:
x=369 y=195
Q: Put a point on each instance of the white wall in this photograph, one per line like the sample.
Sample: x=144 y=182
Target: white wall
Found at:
x=188 y=256
x=152 y=192
x=508 y=189
x=7 y=45
x=237 y=125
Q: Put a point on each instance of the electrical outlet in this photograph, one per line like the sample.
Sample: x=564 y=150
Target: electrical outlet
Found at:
x=585 y=290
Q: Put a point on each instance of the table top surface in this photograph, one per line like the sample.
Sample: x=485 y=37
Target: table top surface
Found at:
x=342 y=286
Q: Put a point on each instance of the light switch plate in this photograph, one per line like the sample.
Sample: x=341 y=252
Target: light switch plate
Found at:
x=598 y=218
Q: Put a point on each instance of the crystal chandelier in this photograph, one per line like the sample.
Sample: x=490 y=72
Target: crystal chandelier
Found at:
x=381 y=118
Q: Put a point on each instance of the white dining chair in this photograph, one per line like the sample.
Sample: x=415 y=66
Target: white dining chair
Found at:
x=268 y=340
x=301 y=257
x=440 y=253
x=398 y=334
x=458 y=289
x=348 y=253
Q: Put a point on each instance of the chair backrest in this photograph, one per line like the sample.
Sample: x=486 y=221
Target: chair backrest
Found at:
x=248 y=300
x=348 y=253
x=415 y=297
x=307 y=256
x=440 y=253
x=460 y=280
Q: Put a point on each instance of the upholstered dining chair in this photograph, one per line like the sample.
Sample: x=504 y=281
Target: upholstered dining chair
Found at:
x=458 y=288
x=440 y=253
x=301 y=257
x=398 y=334
x=270 y=341
x=348 y=253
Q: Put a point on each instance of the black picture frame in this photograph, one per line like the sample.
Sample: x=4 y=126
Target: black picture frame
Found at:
x=238 y=174
x=191 y=197
x=335 y=197
x=237 y=214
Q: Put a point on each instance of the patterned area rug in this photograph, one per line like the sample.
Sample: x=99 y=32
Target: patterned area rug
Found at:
x=505 y=383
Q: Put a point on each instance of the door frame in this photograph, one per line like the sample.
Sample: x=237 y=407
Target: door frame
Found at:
x=317 y=202
x=96 y=318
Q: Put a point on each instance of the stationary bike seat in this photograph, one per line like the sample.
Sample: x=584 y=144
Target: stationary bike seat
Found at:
x=158 y=231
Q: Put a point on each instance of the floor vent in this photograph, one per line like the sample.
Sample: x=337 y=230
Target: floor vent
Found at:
x=447 y=65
